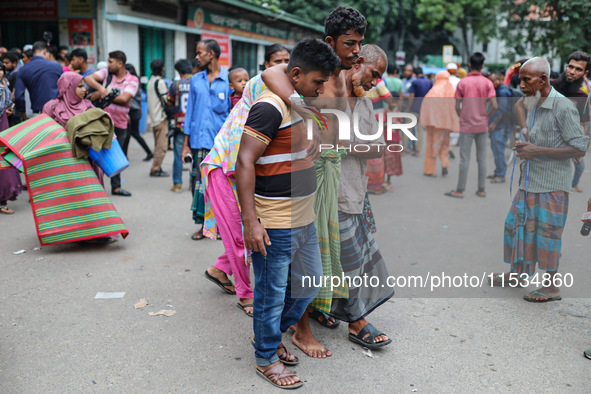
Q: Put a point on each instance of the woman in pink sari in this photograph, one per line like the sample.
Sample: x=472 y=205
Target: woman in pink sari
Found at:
x=439 y=118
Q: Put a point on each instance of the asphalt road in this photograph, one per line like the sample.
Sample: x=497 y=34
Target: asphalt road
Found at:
x=55 y=337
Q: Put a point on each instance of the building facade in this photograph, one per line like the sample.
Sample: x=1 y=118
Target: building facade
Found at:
x=152 y=29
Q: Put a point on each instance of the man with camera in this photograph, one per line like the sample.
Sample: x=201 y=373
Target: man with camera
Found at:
x=115 y=76
x=157 y=91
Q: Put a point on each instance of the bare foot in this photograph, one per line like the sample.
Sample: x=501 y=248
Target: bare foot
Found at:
x=303 y=338
x=221 y=276
x=246 y=301
x=354 y=329
x=578 y=189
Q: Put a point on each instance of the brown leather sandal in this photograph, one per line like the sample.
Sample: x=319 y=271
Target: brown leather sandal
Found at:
x=286 y=357
x=276 y=372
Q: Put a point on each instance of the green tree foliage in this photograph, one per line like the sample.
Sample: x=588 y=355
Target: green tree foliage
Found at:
x=391 y=23
x=478 y=16
x=553 y=28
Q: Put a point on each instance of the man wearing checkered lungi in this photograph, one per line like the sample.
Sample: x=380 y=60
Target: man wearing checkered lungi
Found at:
x=533 y=228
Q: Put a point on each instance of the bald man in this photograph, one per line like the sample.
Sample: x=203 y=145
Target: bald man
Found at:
x=544 y=186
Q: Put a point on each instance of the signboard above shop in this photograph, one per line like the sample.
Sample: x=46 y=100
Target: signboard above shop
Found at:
x=217 y=22
x=29 y=9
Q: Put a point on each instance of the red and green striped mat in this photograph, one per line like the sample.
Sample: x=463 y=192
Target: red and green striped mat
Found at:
x=69 y=204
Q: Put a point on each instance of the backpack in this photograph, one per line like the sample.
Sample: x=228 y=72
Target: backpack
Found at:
x=168 y=109
x=108 y=82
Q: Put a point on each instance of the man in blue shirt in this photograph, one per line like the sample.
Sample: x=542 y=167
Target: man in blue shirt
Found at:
x=500 y=127
x=39 y=77
x=78 y=62
x=418 y=89
x=207 y=109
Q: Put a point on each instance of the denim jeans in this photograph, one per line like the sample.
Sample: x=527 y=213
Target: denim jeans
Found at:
x=579 y=169
x=177 y=164
x=279 y=301
x=123 y=138
x=498 y=143
x=465 y=151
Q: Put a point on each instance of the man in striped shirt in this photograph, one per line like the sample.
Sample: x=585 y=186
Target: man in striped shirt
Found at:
x=276 y=182
x=533 y=228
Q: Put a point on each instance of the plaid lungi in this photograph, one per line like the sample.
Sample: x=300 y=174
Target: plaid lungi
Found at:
x=360 y=255
x=328 y=176
x=540 y=240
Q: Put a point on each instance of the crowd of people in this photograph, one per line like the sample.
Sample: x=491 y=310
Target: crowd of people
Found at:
x=292 y=211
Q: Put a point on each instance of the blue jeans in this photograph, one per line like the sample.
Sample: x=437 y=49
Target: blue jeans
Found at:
x=177 y=165
x=278 y=301
x=498 y=142
x=579 y=169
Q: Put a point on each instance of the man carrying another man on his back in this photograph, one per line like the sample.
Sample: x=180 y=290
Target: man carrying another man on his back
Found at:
x=276 y=186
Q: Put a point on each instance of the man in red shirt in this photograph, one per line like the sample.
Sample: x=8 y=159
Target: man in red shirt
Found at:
x=473 y=94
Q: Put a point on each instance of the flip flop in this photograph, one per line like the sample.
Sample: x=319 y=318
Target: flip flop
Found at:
x=198 y=236
x=369 y=341
x=223 y=286
x=277 y=372
x=244 y=310
x=527 y=297
x=481 y=195
x=5 y=210
x=449 y=194
x=587 y=353
x=286 y=353
x=498 y=179
x=322 y=319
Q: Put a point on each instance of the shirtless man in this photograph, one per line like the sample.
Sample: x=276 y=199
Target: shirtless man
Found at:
x=344 y=31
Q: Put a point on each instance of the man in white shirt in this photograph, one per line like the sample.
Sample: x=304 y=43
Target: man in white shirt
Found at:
x=452 y=69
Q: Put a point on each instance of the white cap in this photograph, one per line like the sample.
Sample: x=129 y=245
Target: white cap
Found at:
x=452 y=66
x=101 y=65
x=27 y=47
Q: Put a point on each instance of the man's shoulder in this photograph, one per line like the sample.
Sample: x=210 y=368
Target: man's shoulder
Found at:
x=129 y=78
x=269 y=97
x=504 y=91
x=224 y=74
x=48 y=64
